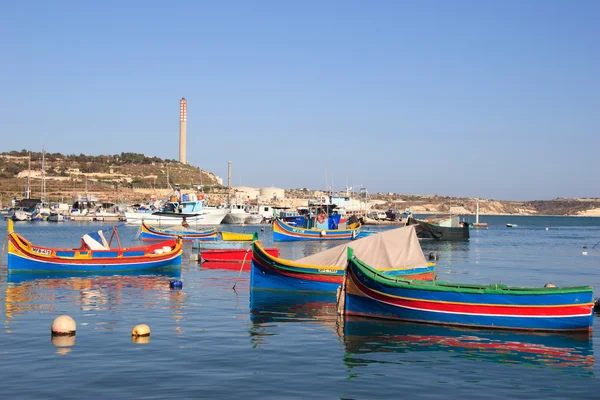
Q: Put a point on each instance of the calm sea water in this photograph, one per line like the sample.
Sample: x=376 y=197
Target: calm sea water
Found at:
x=210 y=341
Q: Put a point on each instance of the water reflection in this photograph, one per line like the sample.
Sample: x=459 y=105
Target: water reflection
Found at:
x=369 y=341
x=268 y=309
x=27 y=292
x=63 y=343
x=140 y=339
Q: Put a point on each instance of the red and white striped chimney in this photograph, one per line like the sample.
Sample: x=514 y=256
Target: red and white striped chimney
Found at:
x=182 y=129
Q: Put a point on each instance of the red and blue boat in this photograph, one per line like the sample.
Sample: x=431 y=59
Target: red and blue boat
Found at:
x=283 y=232
x=368 y=292
x=94 y=255
x=397 y=251
x=149 y=232
x=233 y=255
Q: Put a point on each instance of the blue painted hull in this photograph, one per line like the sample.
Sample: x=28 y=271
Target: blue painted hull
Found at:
x=263 y=278
x=363 y=306
x=18 y=263
x=372 y=294
x=24 y=276
x=153 y=236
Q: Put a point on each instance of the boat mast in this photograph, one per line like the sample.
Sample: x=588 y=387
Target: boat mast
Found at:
x=28 y=190
x=477 y=214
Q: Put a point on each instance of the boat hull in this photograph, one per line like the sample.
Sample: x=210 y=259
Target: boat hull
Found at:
x=204 y=218
x=369 y=294
x=426 y=230
x=153 y=233
x=272 y=273
x=233 y=255
x=283 y=232
x=219 y=244
x=24 y=256
x=22 y=264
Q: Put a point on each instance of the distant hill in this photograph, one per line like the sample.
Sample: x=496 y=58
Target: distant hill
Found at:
x=121 y=175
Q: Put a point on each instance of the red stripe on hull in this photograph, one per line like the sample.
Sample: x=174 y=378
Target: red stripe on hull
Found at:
x=98 y=261
x=464 y=308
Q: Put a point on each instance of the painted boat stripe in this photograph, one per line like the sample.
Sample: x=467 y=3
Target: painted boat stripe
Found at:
x=470 y=308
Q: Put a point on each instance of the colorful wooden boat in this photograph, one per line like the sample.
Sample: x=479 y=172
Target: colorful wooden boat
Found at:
x=239 y=237
x=397 y=251
x=370 y=293
x=283 y=232
x=93 y=255
x=234 y=255
x=149 y=232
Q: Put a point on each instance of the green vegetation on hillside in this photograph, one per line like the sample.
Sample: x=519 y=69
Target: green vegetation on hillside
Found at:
x=69 y=174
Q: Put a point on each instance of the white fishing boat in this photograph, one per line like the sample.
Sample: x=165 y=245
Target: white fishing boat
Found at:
x=172 y=212
x=237 y=213
x=56 y=217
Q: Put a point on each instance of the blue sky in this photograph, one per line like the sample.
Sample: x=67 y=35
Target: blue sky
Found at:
x=494 y=99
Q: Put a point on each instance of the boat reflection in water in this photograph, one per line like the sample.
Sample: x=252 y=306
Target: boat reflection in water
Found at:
x=41 y=291
x=268 y=309
x=366 y=339
x=373 y=341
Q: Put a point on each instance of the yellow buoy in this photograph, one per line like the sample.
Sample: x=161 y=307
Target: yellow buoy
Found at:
x=140 y=330
x=63 y=325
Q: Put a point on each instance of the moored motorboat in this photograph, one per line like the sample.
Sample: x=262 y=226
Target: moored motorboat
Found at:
x=445 y=229
x=192 y=207
x=94 y=254
x=511 y=225
x=396 y=251
x=368 y=292
x=149 y=232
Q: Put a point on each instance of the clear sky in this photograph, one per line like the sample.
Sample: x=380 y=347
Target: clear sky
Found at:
x=494 y=99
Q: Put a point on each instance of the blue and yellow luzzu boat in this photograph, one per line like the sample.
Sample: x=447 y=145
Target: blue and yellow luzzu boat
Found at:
x=93 y=255
x=149 y=232
x=369 y=293
x=283 y=232
x=396 y=251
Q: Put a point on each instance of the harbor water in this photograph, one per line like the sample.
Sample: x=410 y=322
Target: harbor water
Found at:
x=209 y=340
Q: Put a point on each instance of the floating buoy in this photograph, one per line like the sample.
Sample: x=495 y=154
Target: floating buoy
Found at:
x=585 y=247
x=547 y=228
x=433 y=256
x=584 y=253
x=140 y=330
x=549 y=285
x=176 y=285
x=262 y=229
x=63 y=325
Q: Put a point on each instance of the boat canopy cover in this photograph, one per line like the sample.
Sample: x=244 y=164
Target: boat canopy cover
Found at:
x=394 y=248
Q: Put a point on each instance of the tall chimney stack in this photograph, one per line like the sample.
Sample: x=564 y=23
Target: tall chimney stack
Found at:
x=229 y=175
x=182 y=129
